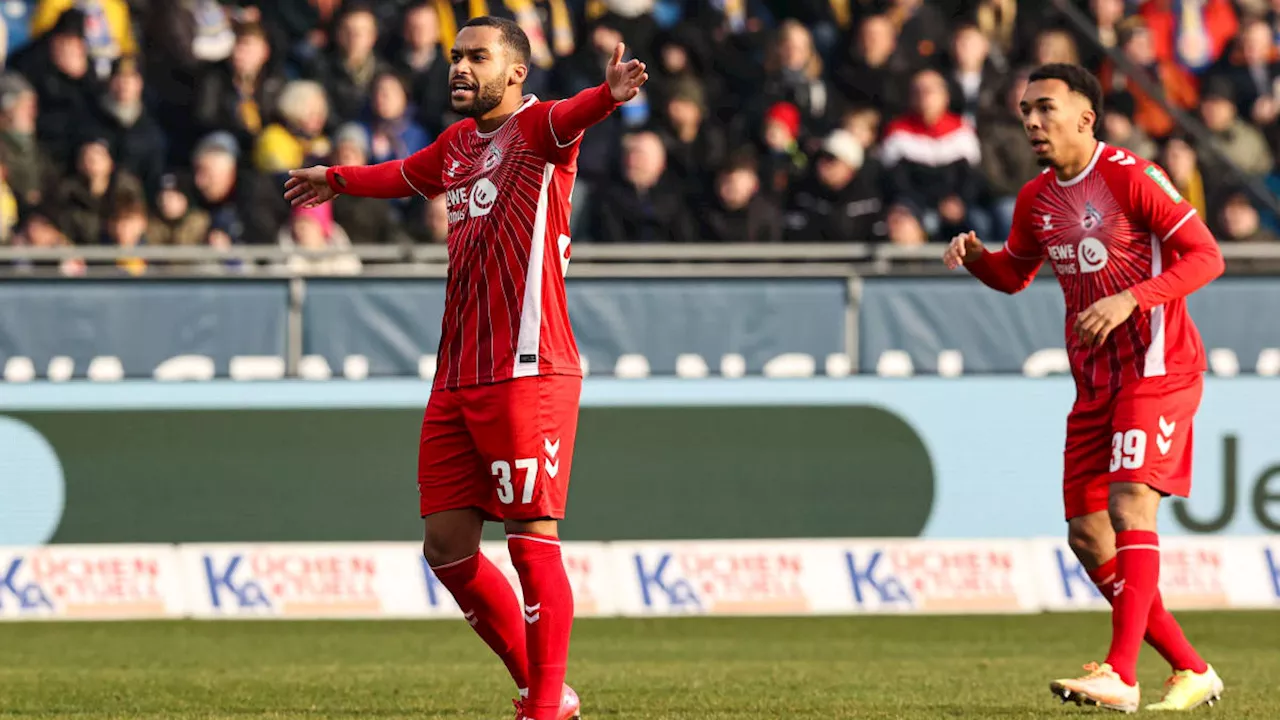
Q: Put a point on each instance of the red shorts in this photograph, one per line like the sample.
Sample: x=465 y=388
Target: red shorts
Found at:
x=1140 y=433
x=505 y=448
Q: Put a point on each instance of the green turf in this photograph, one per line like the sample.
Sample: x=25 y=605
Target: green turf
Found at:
x=687 y=669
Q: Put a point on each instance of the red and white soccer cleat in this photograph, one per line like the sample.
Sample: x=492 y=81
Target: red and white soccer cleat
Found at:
x=570 y=706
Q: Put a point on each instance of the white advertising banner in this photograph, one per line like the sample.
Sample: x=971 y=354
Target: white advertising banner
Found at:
x=634 y=579
x=1196 y=573
x=98 y=582
x=940 y=576
x=730 y=577
x=304 y=580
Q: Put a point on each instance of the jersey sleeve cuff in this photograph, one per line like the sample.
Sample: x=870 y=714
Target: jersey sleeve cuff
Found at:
x=1137 y=291
x=331 y=177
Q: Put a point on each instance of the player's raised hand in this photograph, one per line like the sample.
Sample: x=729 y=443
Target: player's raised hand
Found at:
x=964 y=249
x=308 y=187
x=1095 y=324
x=626 y=78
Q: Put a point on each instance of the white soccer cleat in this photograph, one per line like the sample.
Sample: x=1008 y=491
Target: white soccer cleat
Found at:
x=1101 y=687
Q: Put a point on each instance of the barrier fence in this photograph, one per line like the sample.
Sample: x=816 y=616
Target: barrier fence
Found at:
x=631 y=579
x=628 y=327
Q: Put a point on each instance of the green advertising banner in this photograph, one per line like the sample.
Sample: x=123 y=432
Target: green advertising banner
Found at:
x=343 y=475
x=655 y=459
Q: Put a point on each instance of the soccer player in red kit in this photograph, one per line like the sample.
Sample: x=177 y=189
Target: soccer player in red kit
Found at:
x=498 y=432
x=1127 y=250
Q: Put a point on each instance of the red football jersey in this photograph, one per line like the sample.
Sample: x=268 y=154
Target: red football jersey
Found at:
x=1105 y=231
x=508 y=198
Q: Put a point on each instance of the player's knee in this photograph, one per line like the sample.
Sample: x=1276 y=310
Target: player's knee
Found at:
x=1089 y=543
x=442 y=549
x=1133 y=506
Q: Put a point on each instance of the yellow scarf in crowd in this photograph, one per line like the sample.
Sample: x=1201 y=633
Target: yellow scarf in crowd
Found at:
x=526 y=15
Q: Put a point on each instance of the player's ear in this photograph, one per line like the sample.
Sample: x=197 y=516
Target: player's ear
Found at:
x=1088 y=121
x=517 y=74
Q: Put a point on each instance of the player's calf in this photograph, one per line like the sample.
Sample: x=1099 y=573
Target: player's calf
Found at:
x=548 y=616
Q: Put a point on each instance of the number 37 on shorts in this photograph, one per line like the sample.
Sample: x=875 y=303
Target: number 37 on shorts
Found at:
x=504 y=448
x=1141 y=433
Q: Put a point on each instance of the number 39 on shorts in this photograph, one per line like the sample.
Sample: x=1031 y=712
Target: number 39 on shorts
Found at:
x=526 y=473
x=1128 y=450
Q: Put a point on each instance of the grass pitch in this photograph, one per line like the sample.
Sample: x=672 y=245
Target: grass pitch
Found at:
x=905 y=668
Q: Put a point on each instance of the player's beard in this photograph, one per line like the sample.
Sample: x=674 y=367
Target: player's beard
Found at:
x=488 y=96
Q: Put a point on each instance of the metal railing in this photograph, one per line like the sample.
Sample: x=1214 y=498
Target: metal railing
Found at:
x=648 y=260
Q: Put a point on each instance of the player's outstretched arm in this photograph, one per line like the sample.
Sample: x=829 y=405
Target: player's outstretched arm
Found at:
x=1199 y=263
x=998 y=270
x=571 y=117
x=317 y=185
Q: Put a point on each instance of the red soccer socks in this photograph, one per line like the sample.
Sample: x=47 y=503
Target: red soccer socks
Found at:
x=548 y=614
x=1137 y=577
x=1163 y=632
x=489 y=604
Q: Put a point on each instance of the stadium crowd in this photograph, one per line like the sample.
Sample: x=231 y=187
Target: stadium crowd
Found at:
x=172 y=122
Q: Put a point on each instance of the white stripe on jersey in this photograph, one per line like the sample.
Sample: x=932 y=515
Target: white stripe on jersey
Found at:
x=529 y=339
x=1153 y=365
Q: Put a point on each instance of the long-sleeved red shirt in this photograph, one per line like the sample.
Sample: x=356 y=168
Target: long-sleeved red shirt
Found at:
x=507 y=194
x=1120 y=225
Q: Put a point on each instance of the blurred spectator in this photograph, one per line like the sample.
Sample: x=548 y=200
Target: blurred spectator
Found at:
x=1178 y=85
x=351 y=67
x=874 y=75
x=422 y=61
x=238 y=95
x=313 y=229
x=242 y=207
x=864 y=124
x=303 y=26
x=931 y=156
x=58 y=66
x=84 y=199
x=838 y=202
x=27 y=167
x=177 y=221
x=695 y=145
x=678 y=62
x=998 y=21
x=15 y=25
x=1008 y=162
x=782 y=160
x=1241 y=143
x=1055 y=46
x=922 y=31
x=8 y=212
x=393 y=132
x=640 y=207
x=1107 y=16
x=366 y=220
x=137 y=141
x=299 y=138
x=1240 y=221
x=437 y=221
x=107 y=29
x=127 y=228
x=1254 y=73
x=1179 y=160
x=904 y=228
x=39 y=230
x=1118 y=128
x=793 y=73
x=1189 y=33
x=738 y=212
x=973 y=81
